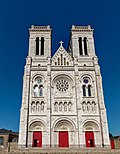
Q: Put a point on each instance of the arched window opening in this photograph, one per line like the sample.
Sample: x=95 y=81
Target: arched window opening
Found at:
x=37 y=45
x=64 y=61
x=61 y=59
x=84 y=90
x=85 y=46
x=36 y=91
x=38 y=80
x=67 y=63
x=55 y=63
x=1 y=141
x=89 y=90
x=80 y=46
x=42 y=45
x=41 y=90
x=58 y=61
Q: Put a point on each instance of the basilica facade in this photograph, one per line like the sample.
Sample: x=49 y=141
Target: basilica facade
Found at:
x=62 y=99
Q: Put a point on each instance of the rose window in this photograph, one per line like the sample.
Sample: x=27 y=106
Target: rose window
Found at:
x=62 y=85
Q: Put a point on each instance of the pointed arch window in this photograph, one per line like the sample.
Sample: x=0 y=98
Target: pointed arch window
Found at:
x=42 y=45
x=85 y=46
x=37 y=45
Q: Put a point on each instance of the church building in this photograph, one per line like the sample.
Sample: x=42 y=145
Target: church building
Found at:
x=62 y=99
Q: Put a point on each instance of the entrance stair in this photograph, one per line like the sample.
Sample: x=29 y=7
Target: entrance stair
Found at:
x=64 y=151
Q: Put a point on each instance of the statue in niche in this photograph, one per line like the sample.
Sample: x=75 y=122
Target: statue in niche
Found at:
x=65 y=107
x=88 y=107
x=56 y=107
x=33 y=108
x=84 y=107
x=42 y=106
x=93 y=107
x=38 y=107
x=60 y=107
x=70 y=106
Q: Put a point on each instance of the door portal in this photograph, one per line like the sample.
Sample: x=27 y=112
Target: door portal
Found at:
x=37 y=139
x=63 y=139
x=89 y=136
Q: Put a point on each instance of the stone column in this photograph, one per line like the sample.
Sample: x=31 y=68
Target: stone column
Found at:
x=102 y=109
x=48 y=124
x=23 y=131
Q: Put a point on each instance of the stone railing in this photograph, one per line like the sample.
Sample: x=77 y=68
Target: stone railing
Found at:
x=40 y=28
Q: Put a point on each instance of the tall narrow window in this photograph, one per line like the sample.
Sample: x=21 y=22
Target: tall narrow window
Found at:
x=84 y=90
x=89 y=90
x=42 y=45
x=85 y=46
x=37 y=45
x=64 y=61
x=58 y=61
x=41 y=91
x=80 y=46
x=61 y=59
x=1 y=141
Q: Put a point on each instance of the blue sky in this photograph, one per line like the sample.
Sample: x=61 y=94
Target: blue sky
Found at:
x=15 y=19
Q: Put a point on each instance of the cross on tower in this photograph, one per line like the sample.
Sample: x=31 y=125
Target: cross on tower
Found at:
x=61 y=42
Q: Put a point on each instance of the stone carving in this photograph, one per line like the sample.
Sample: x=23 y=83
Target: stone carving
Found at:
x=37 y=107
x=62 y=85
x=62 y=106
x=89 y=107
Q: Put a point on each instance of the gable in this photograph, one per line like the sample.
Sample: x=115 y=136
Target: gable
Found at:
x=62 y=58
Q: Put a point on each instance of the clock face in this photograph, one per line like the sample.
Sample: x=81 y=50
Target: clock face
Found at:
x=62 y=85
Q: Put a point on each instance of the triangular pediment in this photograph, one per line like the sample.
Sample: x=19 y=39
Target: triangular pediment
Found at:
x=62 y=58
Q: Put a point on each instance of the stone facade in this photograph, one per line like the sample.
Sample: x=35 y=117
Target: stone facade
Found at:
x=63 y=93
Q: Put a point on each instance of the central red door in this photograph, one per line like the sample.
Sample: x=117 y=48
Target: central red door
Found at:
x=63 y=139
x=37 y=139
x=89 y=136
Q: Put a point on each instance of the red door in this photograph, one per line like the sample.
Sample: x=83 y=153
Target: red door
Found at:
x=37 y=139
x=89 y=136
x=112 y=143
x=63 y=139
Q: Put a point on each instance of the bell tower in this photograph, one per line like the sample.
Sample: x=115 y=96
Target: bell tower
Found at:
x=81 y=42
x=40 y=42
x=35 y=80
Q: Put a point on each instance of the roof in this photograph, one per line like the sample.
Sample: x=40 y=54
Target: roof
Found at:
x=6 y=132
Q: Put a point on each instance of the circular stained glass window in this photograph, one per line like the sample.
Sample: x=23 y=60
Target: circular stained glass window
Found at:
x=62 y=85
x=85 y=80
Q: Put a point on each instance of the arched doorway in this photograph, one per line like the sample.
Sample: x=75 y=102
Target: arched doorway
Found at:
x=37 y=128
x=64 y=128
x=91 y=130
